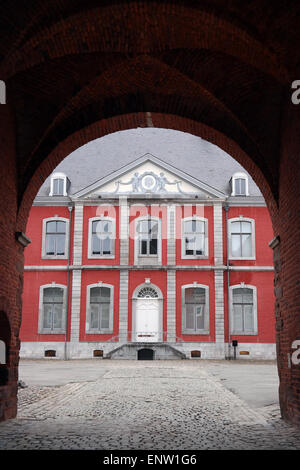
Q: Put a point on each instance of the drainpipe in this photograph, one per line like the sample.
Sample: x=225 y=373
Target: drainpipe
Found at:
x=226 y=207
x=70 y=207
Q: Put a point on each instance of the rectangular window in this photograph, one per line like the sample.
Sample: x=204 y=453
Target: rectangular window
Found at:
x=194 y=238
x=100 y=308
x=55 y=238
x=194 y=309
x=53 y=308
x=58 y=187
x=240 y=187
x=148 y=237
x=241 y=239
x=102 y=237
x=243 y=310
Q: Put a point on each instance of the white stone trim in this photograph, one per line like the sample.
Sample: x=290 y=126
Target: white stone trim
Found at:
x=203 y=187
x=178 y=267
x=41 y=329
x=219 y=307
x=242 y=219
x=171 y=234
x=124 y=230
x=54 y=219
x=255 y=329
x=113 y=237
x=205 y=331
x=88 y=311
x=75 y=308
x=78 y=232
x=123 y=306
x=171 y=306
x=218 y=233
x=84 y=350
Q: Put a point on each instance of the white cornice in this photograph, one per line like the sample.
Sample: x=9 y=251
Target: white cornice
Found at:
x=160 y=163
x=118 y=267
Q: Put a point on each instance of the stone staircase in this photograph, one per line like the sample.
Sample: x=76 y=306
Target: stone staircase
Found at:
x=162 y=351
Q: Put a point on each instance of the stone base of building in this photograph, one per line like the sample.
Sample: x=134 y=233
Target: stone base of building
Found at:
x=162 y=351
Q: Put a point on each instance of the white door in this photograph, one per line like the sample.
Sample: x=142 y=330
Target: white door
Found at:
x=147 y=320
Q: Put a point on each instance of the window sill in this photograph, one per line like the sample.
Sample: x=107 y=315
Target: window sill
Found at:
x=195 y=333
x=98 y=332
x=52 y=332
x=101 y=256
x=54 y=257
x=243 y=333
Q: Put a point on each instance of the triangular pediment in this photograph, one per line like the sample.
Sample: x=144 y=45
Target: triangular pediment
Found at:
x=148 y=176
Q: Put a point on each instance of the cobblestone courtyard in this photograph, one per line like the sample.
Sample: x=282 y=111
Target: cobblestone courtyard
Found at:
x=144 y=405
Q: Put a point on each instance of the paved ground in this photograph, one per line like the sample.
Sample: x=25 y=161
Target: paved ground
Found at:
x=159 y=405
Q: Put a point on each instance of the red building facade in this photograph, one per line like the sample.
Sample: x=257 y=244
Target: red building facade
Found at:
x=150 y=261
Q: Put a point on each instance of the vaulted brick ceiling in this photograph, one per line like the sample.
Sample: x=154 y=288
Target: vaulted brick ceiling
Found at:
x=70 y=63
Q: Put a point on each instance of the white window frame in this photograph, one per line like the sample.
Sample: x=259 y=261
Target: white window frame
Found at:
x=44 y=234
x=90 y=235
x=238 y=176
x=254 y=290
x=60 y=176
x=105 y=331
x=137 y=255
x=204 y=331
x=242 y=219
x=196 y=218
x=47 y=331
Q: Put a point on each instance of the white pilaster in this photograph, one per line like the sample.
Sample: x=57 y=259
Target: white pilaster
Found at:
x=218 y=233
x=219 y=310
x=75 y=306
x=171 y=235
x=123 y=306
x=76 y=274
x=171 y=306
x=78 y=228
x=124 y=231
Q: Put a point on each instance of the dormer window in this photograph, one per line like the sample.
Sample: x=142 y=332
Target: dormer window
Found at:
x=59 y=185
x=240 y=185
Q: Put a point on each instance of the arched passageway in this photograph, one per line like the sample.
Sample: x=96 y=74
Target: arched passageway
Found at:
x=78 y=71
x=4 y=349
x=145 y=354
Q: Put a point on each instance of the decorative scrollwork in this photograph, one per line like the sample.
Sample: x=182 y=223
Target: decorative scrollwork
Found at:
x=148 y=182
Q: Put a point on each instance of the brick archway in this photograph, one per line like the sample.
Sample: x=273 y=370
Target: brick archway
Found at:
x=75 y=71
x=130 y=121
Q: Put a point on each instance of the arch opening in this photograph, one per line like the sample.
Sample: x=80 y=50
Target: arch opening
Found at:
x=5 y=337
x=145 y=354
x=157 y=295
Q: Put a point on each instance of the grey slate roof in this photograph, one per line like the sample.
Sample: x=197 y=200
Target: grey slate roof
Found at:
x=191 y=154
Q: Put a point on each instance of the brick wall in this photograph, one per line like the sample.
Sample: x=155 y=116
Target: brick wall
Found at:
x=162 y=65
